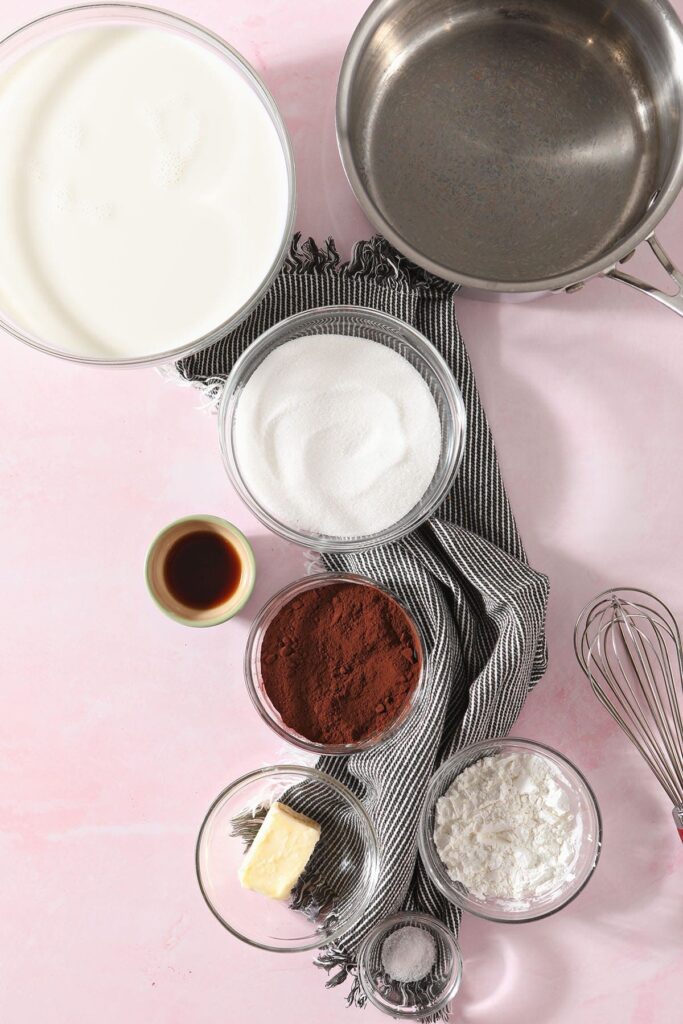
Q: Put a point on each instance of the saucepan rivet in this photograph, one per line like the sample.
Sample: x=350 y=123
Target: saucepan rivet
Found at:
x=574 y=287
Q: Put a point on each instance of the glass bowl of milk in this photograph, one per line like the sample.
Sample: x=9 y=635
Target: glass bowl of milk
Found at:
x=147 y=187
x=342 y=428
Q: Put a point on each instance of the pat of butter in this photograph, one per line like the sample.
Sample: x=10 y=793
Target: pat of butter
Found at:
x=279 y=853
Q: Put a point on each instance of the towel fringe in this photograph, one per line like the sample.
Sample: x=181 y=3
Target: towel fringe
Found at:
x=333 y=958
x=210 y=389
x=374 y=258
x=307 y=256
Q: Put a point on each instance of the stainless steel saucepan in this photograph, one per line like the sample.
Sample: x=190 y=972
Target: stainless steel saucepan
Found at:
x=517 y=145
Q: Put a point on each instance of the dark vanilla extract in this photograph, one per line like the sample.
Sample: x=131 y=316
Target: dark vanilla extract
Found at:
x=202 y=570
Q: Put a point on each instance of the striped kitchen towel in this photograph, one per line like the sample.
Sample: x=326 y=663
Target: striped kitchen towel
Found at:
x=463 y=574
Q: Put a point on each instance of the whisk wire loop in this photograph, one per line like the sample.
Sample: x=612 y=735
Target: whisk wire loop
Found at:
x=629 y=645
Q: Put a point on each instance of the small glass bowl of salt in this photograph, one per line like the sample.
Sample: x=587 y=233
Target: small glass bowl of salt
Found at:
x=410 y=966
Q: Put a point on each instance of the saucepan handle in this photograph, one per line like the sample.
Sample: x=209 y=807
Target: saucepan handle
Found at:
x=673 y=300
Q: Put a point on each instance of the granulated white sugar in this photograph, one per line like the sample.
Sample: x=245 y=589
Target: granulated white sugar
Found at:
x=337 y=435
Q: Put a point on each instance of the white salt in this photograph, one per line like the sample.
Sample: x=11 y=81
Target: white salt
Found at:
x=408 y=954
x=337 y=435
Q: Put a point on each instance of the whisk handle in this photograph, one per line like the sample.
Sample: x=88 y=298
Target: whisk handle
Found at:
x=678 y=820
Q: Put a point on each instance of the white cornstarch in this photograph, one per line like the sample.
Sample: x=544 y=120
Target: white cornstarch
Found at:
x=337 y=435
x=504 y=828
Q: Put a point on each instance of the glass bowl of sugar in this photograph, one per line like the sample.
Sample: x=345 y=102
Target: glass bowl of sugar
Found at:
x=510 y=830
x=342 y=428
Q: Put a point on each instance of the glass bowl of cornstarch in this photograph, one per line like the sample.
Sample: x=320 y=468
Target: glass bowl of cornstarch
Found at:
x=342 y=428
x=510 y=830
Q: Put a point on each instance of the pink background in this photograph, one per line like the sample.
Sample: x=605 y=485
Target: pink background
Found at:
x=118 y=727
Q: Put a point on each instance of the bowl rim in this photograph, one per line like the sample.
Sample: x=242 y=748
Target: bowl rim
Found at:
x=406 y=917
x=277 y=601
x=430 y=858
x=426 y=351
x=272 y=771
x=144 y=14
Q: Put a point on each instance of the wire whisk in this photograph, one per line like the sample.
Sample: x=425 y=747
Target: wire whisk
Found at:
x=629 y=645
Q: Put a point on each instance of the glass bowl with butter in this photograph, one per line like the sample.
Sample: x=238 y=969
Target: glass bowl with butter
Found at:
x=287 y=858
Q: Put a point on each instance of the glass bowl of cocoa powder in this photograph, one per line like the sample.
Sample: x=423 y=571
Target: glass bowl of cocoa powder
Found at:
x=335 y=663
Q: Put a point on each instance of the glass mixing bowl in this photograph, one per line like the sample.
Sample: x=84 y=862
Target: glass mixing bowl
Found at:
x=347 y=852
x=582 y=804
x=254 y=679
x=49 y=26
x=387 y=330
x=410 y=1000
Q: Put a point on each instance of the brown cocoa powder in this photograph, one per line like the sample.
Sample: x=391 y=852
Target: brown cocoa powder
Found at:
x=339 y=662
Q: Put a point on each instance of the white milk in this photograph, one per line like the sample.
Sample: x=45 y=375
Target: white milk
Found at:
x=143 y=191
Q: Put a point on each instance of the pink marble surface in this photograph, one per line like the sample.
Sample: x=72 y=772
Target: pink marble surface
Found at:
x=118 y=727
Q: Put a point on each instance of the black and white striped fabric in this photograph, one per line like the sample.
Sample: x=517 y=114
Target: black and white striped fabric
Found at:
x=464 y=575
